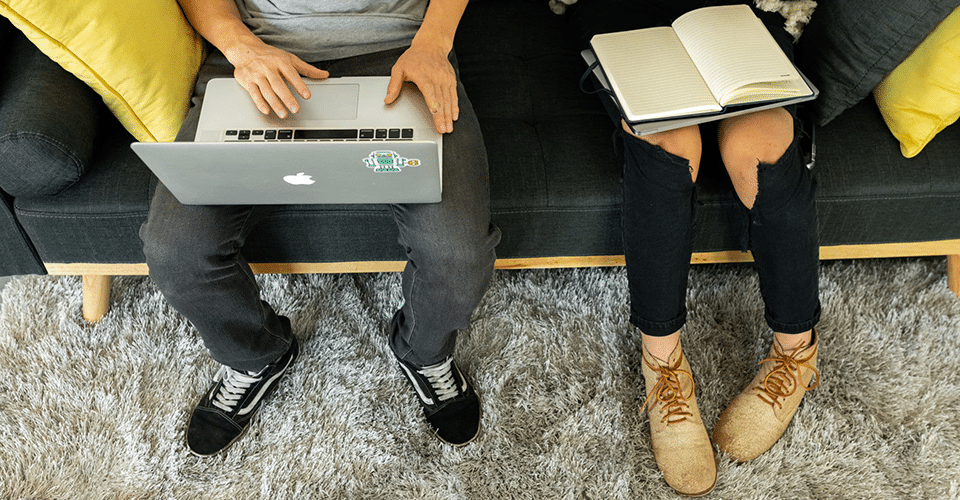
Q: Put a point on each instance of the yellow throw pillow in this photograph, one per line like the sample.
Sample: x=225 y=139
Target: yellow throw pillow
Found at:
x=921 y=96
x=141 y=56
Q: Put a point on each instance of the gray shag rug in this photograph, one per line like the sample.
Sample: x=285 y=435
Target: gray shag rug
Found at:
x=98 y=411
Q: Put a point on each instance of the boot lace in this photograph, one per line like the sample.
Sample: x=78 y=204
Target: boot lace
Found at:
x=235 y=385
x=668 y=392
x=441 y=378
x=784 y=380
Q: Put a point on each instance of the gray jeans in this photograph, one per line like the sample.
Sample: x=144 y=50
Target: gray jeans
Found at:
x=195 y=252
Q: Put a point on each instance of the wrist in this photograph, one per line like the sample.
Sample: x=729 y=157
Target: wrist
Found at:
x=239 y=49
x=433 y=41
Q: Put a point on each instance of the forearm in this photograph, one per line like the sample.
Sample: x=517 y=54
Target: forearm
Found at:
x=440 y=24
x=219 y=22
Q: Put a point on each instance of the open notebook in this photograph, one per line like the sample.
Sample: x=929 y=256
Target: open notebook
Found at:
x=711 y=62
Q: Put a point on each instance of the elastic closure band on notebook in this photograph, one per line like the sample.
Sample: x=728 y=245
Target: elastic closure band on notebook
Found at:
x=602 y=90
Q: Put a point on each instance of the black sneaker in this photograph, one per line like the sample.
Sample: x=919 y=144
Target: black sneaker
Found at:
x=450 y=404
x=225 y=410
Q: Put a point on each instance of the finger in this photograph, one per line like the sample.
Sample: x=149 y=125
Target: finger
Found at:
x=439 y=123
x=430 y=96
x=280 y=99
x=445 y=115
x=279 y=89
x=394 y=86
x=266 y=89
x=307 y=70
x=451 y=110
x=447 y=107
x=254 y=92
x=310 y=71
x=292 y=76
x=434 y=105
x=454 y=102
x=436 y=108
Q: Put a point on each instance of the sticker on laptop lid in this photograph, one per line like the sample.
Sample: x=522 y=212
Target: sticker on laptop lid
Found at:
x=389 y=161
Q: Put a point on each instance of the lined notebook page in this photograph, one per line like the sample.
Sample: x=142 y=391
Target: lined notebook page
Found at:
x=732 y=48
x=652 y=75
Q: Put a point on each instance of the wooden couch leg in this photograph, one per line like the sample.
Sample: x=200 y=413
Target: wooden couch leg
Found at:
x=953 y=273
x=96 y=297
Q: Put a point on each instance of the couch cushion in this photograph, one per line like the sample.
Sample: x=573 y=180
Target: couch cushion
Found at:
x=19 y=256
x=96 y=219
x=141 y=56
x=869 y=193
x=850 y=45
x=921 y=96
x=548 y=192
x=48 y=122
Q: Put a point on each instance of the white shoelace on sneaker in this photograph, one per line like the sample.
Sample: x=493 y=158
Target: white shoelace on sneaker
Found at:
x=441 y=378
x=235 y=385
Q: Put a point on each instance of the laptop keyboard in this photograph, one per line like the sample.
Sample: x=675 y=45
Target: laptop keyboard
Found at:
x=317 y=134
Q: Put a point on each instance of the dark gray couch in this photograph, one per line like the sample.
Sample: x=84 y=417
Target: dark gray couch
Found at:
x=74 y=195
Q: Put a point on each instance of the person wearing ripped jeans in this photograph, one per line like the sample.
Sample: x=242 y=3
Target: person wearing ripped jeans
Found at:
x=777 y=223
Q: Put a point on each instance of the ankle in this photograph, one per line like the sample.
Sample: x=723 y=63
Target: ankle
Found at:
x=790 y=342
x=661 y=347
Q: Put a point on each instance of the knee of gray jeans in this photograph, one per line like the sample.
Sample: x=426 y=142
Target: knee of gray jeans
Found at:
x=468 y=260
x=175 y=257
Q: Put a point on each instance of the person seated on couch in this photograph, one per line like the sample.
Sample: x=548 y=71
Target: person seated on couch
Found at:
x=195 y=252
x=778 y=222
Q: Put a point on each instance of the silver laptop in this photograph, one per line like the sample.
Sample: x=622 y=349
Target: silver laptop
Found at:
x=344 y=146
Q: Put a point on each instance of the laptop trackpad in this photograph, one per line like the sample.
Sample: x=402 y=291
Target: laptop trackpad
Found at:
x=330 y=102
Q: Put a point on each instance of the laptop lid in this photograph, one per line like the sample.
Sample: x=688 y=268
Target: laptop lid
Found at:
x=344 y=146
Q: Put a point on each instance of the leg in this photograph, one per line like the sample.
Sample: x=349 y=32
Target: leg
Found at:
x=683 y=143
x=658 y=216
x=96 y=297
x=193 y=253
x=449 y=245
x=194 y=257
x=748 y=140
x=659 y=200
x=761 y=154
x=450 y=257
x=660 y=171
x=450 y=249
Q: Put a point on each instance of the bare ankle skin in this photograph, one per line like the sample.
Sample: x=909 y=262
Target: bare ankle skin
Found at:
x=789 y=342
x=661 y=347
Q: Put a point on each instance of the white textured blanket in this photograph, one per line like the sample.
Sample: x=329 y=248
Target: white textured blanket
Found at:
x=796 y=12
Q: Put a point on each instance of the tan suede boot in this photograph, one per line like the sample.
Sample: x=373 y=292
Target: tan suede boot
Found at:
x=681 y=444
x=757 y=417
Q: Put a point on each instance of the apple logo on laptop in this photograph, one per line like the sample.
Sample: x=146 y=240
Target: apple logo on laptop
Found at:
x=300 y=179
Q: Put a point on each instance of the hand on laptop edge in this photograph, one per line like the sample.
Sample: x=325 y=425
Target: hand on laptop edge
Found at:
x=433 y=75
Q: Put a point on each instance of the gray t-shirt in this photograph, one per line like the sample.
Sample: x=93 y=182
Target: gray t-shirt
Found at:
x=321 y=30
